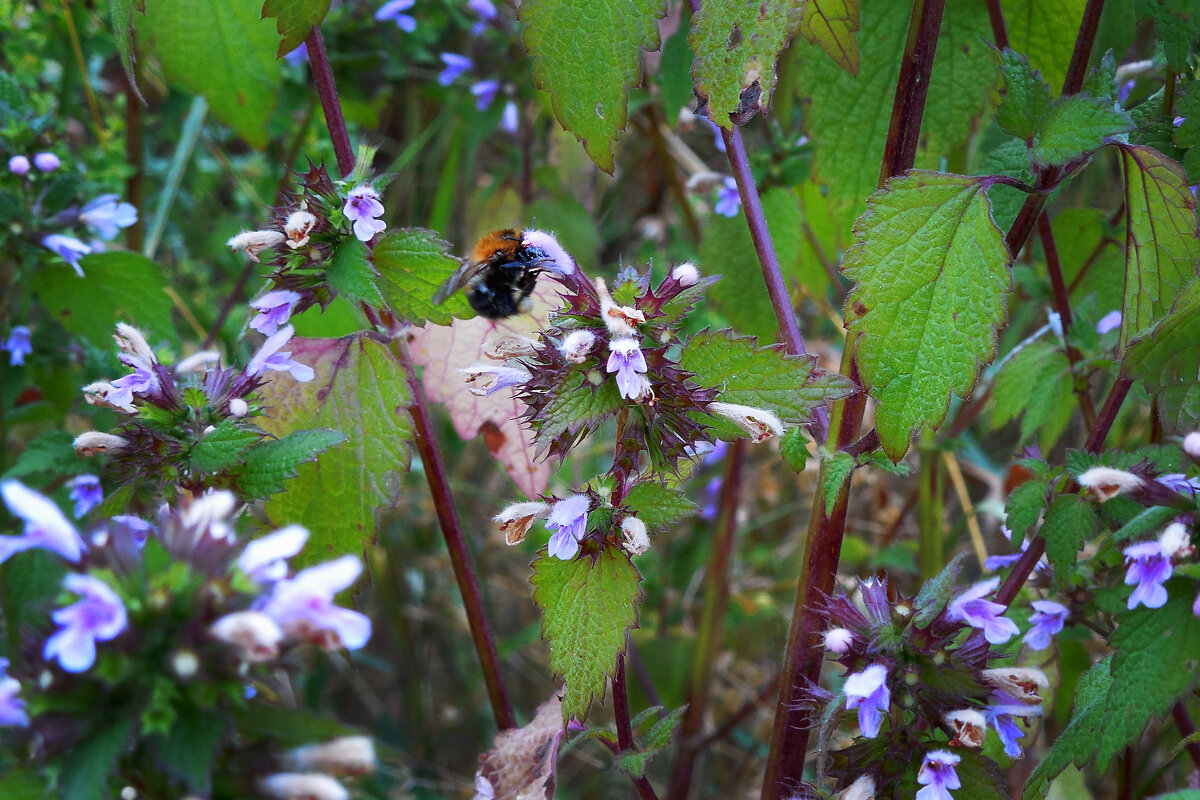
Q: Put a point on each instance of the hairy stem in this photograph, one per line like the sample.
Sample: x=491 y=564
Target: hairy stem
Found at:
x=624 y=724
x=339 y=136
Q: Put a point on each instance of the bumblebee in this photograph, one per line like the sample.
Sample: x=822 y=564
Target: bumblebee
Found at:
x=503 y=270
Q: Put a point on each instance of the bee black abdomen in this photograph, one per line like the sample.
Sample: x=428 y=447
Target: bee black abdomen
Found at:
x=501 y=288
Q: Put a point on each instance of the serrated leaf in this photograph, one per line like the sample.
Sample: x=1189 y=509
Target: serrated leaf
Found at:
x=1077 y=743
x=1162 y=242
x=588 y=606
x=86 y=768
x=578 y=406
x=189 y=748
x=1046 y=32
x=1150 y=520
x=932 y=279
x=962 y=84
x=1036 y=384
x=794 y=449
x=1070 y=521
x=223 y=50
x=359 y=390
x=586 y=54
x=116 y=287
x=762 y=377
x=352 y=274
x=831 y=25
x=736 y=45
x=1167 y=361
x=659 y=506
x=834 y=471
x=1177 y=24
x=295 y=19
x=121 y=12
x=937 y=592
x=221 y=448
x=1024 y=96
x=675 y=72
x=1075 y=125
x=412 y=265
x=272 y=463
x=1024 y=506
x=880 y=461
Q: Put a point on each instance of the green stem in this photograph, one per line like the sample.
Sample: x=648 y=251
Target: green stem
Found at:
x=929 y=507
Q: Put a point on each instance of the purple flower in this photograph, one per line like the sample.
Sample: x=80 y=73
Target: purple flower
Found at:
x=19 y=165
x=1047 y=620
x=46 y=162
x=1002 y=712
x=483 y=8
x=1110 y=321
x=362 y=206
x=510 y=121
x=142 y=381
x=489 y=378
x=270 y=357
x=625 y=358
x=718 y=139
x=1178 y=121
x=1149 y=569
x=1178 y=482
x=303 y=606
x=265 y=560
x=70 y=248
x=98 y=617
x=455 y=65
x=485 y=93
x=19 y=344
x=86 y=492
x=728 y=199
x=1123 y=92
x=568 y=519
x=938 y=777
x=45 y=525
x=393 y=10
x=298 y=56
x=12 y=708
x=971 y=608
x=274 y=309
x=1196 y=606
x=868 y=692
x=107 y=214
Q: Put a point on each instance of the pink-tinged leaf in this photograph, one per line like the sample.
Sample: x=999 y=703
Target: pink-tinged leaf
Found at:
x=524 y=761
x=445 y=349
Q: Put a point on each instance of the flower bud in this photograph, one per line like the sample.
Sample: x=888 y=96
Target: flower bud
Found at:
x=238 y=407
x=838 y=640
x=863 y=788
x=255 y=635
x=254 y=242
x=1176 y=542
x=635 y=540
x=185 y=664
x=577 y=345
x=46 y=162
x=130 y=340
x=93 y=442
x=970 y=727
x=302 y=786
x=758 y=422
x=348 y=755
x=620 y=320
x=18 y=165
x=503 y=345
x=297 y=228
x=1020 y=682
x=515 y=520
x=686 y=274
x=1191 y=445
x=1106 y=483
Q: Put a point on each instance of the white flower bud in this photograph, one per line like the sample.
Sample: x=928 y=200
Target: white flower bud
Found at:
x=238 y=407
x=197 y=362
x=686 y=274
x=302 y=786
x=130 y=340
x=254 y=242
x=93 y=442
x=1106 y=483
x=348 y=755
x=1176 y=542
x=634 y=537
x=863 y=788
x=838 y=640
x=1021 y=682
x=129 y=793
x=758 y=422
x=503 y=345
x=1191 y=445
x=577 y=345
x=515 y=520
x=255 y=635
x=185 y=664
x=970 y=727
x=620 y=320
x=297 y=228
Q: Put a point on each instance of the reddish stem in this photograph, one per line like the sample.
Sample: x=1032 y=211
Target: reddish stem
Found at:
x=996 y=17
x=1062 y=304
x=322 y=73
x=624 y=724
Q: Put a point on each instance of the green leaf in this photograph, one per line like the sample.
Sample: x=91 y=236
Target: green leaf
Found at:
x=222 y=447
x=736 y=45
x=836 y=469
x=287 y=727
x=189 y=748
x=360 y=390
x=578 y=407
x=831 y=25
x=274 y=461
x=794 y=449
x=116 y=287
x=1167 y=360
x=1036 y=384
x=1024 y=506
x=932 y=279
x=1070 y=521
x=1045 y=32
x=1177 y=25
x=962 y=85
x=762 y=377
x=87 y=766
x=586 y=54
x=588 y=606
x=1077 y=743
x=1024 y=97
x=23 y=784
x=1150 y=520
x=1075 y=125
x=1162 y=242
x=657 y=505
x=937 y=592
x=675 y=72
x=53 y=451
x=413 y=264
x=981 y=778
x=223 y=50
x=352 y=274
x=121 y=12
x=296 y=19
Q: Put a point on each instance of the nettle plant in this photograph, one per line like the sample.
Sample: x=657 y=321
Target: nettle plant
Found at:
x=1017 y=237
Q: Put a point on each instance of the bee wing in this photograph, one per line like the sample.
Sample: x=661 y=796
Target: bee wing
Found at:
x=455 y=282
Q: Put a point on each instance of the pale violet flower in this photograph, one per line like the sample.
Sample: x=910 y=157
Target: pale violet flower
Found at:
x=298 y=56
x=868 y=692
x=838 y=640
x=274 y=310
x=19 y=165
x=97 y=617
x=484 y=8
x=142 y=381
x=270 y=357
x=1149 y=568
x=568 y=520
x=394 y=11
x=18 y=344
x=70 y=248
x=937 y=776
x=1047 y=620
x=265 y=560
x=362 y=207
x=12 y=708
x=86 y=493
x=483 y=379
x=728 y=199
x=626 y=359
x=107 y=214
x=483 y=788
x=718 y=139
x=485 y=92
x=455 y=65
x=255 y=635
x=510 y=121
x=46 y=162
x=1110 y=321
x=45 y=524
x=971 y=608
x=303 y=606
